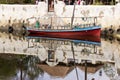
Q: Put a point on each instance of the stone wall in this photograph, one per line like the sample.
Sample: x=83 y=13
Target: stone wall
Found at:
x=107 y=15
x=16 y=13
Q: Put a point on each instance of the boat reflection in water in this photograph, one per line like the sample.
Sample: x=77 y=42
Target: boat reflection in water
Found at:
x=64 y=55
x=61 y=48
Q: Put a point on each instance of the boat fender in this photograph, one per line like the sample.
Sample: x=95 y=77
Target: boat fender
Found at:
x=111 y=30
x=10 y=29
x=118 y=30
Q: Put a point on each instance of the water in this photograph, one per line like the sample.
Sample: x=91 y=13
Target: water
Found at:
x=53 y=59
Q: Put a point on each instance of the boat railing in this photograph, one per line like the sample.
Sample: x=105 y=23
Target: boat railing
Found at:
x=61 y=23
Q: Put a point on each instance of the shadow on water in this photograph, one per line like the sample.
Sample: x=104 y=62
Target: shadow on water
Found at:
x=19 y=67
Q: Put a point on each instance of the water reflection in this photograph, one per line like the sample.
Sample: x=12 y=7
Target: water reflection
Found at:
x=19 y=67
x=63 y=60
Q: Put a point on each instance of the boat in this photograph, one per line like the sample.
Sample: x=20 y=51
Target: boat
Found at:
x=69 y=34
x=74 y=38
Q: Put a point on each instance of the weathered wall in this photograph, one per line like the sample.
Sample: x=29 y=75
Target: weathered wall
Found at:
x=21 y=12
x=107 y=15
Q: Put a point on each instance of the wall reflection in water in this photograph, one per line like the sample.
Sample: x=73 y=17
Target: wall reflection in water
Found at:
x=62 y=60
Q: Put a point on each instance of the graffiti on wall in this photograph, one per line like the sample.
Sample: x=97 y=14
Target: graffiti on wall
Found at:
x=101 y=14
x=113 y=10
x=85 y=12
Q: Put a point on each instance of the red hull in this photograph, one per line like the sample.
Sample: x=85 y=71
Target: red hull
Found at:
x=79 y=35
x=64 y=34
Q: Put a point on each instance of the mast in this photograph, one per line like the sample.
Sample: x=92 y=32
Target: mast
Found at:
x=72 y=48
x=72 y=18
x=85 y=66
